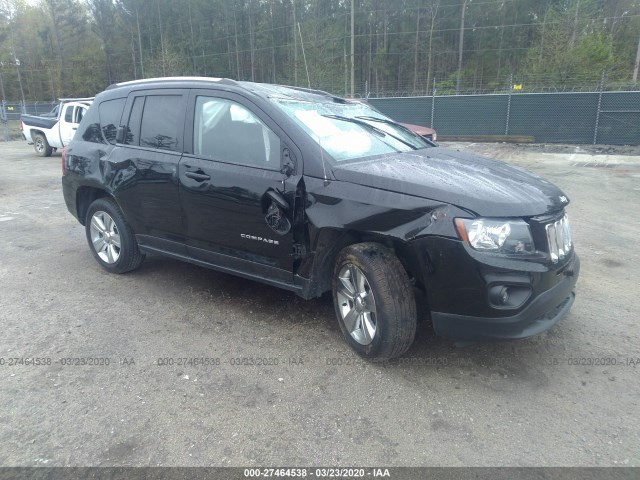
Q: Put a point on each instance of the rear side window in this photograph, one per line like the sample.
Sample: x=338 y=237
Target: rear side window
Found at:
x=160 y=124
x=110 y=113
x=79 y=113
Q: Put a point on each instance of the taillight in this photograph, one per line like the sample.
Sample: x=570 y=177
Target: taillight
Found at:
x=64 y=161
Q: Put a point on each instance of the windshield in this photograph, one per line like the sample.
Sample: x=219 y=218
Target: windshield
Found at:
x=350 y=130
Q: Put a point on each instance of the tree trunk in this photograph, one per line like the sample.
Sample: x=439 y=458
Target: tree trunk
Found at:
x=56 y=35
x=460 y=46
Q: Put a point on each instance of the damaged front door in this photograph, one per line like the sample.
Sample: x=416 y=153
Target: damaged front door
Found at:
x=232 y=187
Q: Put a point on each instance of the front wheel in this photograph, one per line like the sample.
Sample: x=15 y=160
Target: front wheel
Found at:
x=374 y=301
x=41 y=146
x=110 y=237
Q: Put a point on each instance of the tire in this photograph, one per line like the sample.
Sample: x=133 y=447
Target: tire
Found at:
x=41 y=146
x=106 y=227
x=385 y=319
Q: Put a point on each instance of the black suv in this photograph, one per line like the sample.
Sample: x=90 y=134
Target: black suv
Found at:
x=312 y=193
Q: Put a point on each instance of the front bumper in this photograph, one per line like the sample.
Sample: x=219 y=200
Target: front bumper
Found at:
x=542 y=313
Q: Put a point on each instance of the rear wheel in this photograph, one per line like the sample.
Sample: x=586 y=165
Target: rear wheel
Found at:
x=110 y=238
x=374 y=301
x=41 y=146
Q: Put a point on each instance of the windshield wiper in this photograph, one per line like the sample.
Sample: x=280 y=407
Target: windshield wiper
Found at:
x=397 y=125
x=370 y=127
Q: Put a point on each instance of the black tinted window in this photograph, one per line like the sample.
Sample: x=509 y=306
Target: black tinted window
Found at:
x=68 y=114
x=133 y=125
x=89 y=128
x=160 y=122
x=110 y=113
x=225 y=130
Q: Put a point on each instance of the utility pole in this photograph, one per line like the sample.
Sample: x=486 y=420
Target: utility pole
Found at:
x=353 y=75
x=2 y=83
x=139 y=42
x=164 y=73
x=17 y=64
x=637 y=64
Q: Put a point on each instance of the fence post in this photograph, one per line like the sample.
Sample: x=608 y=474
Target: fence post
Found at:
x=433 y=101
x=506 y=127
x=3 y=119
x=595 y=130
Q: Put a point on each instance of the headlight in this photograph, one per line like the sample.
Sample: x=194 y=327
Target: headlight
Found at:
x=496 y=235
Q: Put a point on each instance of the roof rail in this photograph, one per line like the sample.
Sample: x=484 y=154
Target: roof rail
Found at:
x=164 y=79
x=82 y=99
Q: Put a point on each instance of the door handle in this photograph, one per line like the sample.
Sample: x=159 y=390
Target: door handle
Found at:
x=199 y=177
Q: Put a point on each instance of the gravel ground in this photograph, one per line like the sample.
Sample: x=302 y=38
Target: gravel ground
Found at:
x=313 y=403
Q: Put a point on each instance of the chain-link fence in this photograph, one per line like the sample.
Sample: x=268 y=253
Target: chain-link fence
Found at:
x=568 y=117
x=10 y=115
x=579 y=117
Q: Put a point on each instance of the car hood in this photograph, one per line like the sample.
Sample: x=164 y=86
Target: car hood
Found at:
x=482 y=185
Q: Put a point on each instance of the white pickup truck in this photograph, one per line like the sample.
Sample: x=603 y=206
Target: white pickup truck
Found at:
x=55 y=129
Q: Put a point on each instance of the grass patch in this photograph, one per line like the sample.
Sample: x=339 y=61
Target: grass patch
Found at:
x=13 y=127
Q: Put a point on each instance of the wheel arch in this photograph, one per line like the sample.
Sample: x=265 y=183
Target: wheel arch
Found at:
x=34 y=131
x=85 y=196
x=331 y=241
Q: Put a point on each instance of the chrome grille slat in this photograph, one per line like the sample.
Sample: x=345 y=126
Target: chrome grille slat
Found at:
x=559 y=239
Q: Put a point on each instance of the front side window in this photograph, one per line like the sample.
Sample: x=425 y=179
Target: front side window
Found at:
x=160 y=126
x=226 y=131
x=350 y=130
x=68 y=114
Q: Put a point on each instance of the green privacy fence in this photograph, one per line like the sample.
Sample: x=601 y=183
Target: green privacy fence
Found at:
x=611 y=118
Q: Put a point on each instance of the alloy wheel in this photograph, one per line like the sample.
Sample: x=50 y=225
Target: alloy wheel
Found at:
x=357 y=304
x=105 y=237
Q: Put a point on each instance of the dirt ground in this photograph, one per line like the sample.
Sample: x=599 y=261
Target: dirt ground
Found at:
x=569 y=397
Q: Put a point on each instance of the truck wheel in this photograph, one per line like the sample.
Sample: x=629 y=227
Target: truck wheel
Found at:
x=110 y=237
x=374 y=301
x=42 y=147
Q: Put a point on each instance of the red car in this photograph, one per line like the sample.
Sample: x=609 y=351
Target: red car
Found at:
x=425 y=132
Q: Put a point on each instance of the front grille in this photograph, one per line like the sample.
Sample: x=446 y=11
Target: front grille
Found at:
x=559 y=239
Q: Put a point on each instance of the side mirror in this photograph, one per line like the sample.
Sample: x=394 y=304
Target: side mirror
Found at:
x=120 y=135
x=278 y=199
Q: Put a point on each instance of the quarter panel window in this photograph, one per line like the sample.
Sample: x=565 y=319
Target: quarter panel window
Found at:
x=160 y=122
x=110 y=113
x=89 y=128
x=225 y=130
